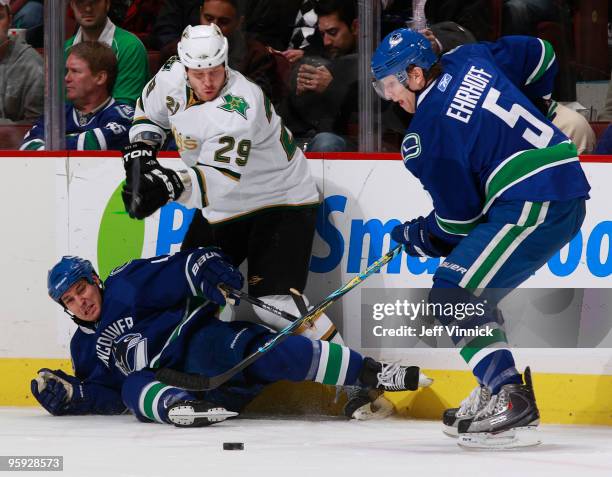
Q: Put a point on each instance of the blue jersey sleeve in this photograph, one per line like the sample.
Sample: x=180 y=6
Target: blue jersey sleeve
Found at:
x=457 y=202
x=157 y=283
x=530 y=63
x=98 y=399
x=83 y=353
x=34 y=140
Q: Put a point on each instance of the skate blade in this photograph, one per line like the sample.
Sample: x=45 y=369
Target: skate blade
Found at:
x=379 y=409
x=425 y=381
x=512 y=439
x=450 y=431
x=185 y=416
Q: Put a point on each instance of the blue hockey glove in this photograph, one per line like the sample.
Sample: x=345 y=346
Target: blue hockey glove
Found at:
x=208 y=269
x=417 y=240
x=54 y=390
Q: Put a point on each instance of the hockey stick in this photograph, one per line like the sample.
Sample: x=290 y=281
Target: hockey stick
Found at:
x=197 y=382
x=298 y=299
x=257 y=302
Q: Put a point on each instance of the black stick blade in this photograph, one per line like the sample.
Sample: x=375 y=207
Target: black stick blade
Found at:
x=190 y=382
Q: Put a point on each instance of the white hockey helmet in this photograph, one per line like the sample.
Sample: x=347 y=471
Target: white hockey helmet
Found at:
x=202 y=46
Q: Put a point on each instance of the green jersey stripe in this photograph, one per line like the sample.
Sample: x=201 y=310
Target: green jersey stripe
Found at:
x=91 y=142
x=150 y=399
x=477 y=344
x=333 y=365
x=458 y=227
x=524 y=164
x=546 y=59
x=487 y=262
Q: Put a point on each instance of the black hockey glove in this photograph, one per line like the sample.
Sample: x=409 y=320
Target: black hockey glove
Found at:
x=148 y=186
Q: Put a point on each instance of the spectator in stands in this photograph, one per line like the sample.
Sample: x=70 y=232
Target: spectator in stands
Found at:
x=173 y=17
x=574 y=125
x=246 y=54
x=132 y=61
x=286 y=26
x=27 y=13
x=323 y=101
x=94 y=120
x=140 y=18
x=606 y=114
x=289 y=28
x=22 y=79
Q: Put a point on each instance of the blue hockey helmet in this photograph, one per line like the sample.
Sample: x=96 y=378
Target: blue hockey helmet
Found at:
x=66 y=273
x=397 y=51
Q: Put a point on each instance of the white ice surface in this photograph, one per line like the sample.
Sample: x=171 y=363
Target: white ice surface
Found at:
x=120 y=446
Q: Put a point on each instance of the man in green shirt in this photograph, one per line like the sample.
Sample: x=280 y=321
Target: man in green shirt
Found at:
x=132 y=60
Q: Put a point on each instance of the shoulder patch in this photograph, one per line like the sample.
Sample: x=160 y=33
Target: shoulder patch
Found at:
x=234 y=103
x=411 y=146
x=150 y=87
x=444 y=82
x=125 y=110
x=168 y=64
x=119 y=269
x=172 y=105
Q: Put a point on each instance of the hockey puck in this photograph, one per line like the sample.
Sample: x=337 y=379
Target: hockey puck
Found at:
x=233 y=446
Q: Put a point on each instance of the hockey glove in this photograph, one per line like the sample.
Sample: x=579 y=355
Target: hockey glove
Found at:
x=148 y=186
x=417 y=240
x=54 y=390
x=208 y=269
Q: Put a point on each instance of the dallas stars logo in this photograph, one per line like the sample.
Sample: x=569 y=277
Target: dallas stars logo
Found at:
x=234 y=103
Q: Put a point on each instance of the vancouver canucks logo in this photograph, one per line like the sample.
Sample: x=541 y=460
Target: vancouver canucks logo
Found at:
x=395 y=40
x=411 y=146
x=130 y=353
x=234 y=103
x=172 y=105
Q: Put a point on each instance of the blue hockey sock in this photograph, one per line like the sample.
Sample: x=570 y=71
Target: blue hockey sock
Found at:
x=300 y=359
x=497 y=369
x=491 y=363
x=149 y=399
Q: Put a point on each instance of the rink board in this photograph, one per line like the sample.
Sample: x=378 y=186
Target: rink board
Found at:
x=73 y=207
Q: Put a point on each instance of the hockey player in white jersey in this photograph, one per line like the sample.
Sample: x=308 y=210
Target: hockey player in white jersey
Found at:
x=257 y=198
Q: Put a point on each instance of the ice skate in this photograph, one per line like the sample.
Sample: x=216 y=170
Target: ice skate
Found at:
x=367 y=404
x=468 y=408
x=508 y=421
x=197 y=414
x=392 y=376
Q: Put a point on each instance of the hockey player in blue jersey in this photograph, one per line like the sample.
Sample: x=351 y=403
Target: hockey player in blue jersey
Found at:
x=508 y=192
x=162 y=312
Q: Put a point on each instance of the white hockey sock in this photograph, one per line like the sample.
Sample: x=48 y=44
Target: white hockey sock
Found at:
x=322 y=328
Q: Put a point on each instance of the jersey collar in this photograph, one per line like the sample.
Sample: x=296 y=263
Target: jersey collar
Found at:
x=422 y=95
x=105 y=37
